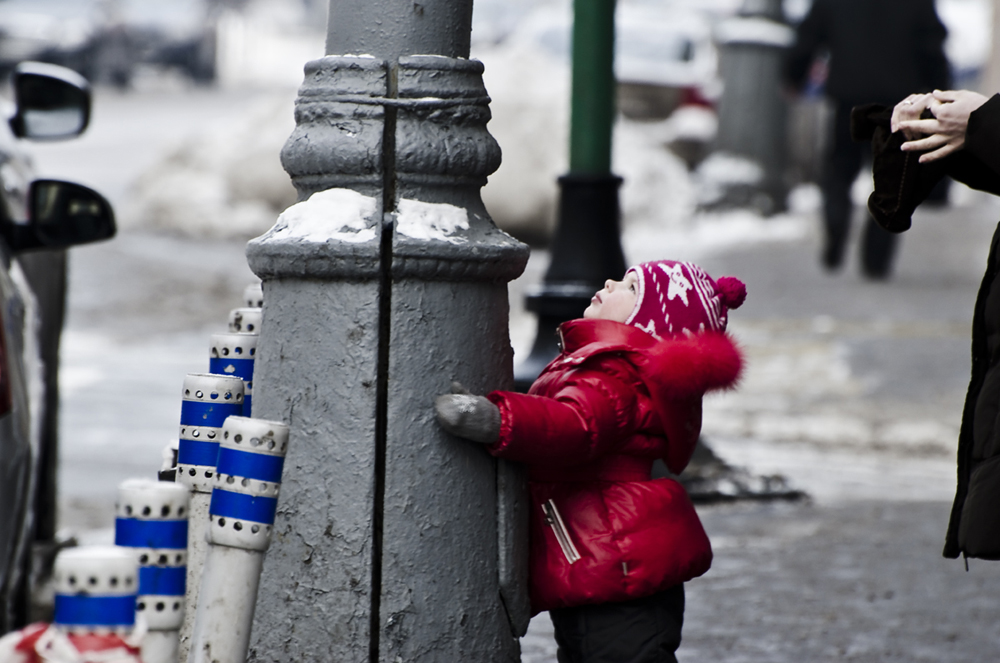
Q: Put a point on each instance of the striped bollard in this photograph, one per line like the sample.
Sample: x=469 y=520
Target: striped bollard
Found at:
x=94 y=612
x=152 y=519
x=206 y=402
x=233 y=355
x=241 y=517
x=245 y=320
x=95 y=605
x=253 y=296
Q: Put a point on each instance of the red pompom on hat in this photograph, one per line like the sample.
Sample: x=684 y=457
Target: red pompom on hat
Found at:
x=732 y=291
x=676 y=298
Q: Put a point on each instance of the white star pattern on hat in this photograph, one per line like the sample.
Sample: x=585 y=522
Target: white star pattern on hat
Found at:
x=679 y=285
x=649 y=328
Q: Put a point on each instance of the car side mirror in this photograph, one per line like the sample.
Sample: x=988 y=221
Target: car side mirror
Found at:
x=61 y=215
x=52 y=102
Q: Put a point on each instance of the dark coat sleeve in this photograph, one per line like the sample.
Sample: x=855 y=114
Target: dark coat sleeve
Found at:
x=902 y=182
x=982 y=137
x=811 y=36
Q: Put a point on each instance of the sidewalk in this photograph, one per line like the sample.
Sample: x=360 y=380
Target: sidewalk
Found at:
x=853 y=391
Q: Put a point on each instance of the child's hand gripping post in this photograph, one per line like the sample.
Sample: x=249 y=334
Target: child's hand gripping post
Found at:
x=465 y=415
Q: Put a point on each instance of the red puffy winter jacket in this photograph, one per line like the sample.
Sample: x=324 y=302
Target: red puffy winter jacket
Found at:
x=589 y=430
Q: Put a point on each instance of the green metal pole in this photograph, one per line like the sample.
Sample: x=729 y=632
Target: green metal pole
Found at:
x=592 y=105
x=586 y=248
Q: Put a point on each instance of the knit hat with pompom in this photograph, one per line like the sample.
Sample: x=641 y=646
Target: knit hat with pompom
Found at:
x=676 y=298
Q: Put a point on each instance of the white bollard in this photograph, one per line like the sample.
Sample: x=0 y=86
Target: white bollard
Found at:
x=244 y=501
x=233 y=355
x=94 y=612
x=253 y=296
x=152 y=520
x=207 y=401
x=245 y=320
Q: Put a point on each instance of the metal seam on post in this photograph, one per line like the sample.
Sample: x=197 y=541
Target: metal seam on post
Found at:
x=382 y=368
x=423 y=103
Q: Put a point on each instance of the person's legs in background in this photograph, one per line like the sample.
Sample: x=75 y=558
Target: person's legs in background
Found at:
x=878 y=246
x=842 y=165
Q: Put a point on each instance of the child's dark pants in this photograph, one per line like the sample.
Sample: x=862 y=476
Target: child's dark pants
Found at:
x=646 y=630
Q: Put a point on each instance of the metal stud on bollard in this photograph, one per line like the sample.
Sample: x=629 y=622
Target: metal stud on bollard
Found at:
x=245 y=320
x=233 y=355
x=152 y=519
x=244 y=500
x=253 y=296
x=207 y=401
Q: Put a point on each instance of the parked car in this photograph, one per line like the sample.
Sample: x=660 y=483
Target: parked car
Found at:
x=663 y=60
x=38 y=220
x=665 y=57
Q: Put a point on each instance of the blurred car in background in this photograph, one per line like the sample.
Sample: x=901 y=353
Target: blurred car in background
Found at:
x=664 y=54
x=663 y=60
x=38 y=220
x=105 y=40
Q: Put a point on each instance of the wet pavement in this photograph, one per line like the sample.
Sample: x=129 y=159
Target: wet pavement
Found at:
x=853 y=392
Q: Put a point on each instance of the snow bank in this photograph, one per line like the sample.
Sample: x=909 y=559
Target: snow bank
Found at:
x=229 y=184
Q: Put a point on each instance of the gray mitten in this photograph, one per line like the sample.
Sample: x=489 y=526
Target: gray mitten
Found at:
x=465 y=415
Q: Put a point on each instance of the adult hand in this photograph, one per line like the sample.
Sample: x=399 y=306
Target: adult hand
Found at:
x=465 y=415
x=907 y=110
x=944 y=134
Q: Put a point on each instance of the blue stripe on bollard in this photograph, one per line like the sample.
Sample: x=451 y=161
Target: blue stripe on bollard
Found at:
x=243 y=507
x=162 y=580
x=94 y=610
x=241 y=368
x=195 y=452
x=247 y=404
x=250 y=465
x=134 y=533
x=201 y=413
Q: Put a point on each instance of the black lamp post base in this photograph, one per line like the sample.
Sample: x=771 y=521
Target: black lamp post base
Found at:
x=586 y=252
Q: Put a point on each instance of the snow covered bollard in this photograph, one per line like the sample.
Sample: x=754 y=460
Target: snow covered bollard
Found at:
x=152 y=520
x=244 y=501
x=233 y=355
x=95 y=612
x=207 y=401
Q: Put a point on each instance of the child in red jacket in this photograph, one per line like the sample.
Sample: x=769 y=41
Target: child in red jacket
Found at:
x=610 y=547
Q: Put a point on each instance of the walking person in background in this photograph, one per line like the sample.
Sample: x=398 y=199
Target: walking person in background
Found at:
x=879 y=51
x=926 y=137
x=611 y=548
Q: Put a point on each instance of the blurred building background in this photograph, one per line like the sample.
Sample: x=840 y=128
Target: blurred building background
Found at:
x=231 y=184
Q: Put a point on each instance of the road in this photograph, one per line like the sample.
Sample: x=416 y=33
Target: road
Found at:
x=853 y=392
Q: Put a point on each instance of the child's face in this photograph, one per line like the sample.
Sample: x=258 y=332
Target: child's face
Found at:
x=615 y=301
